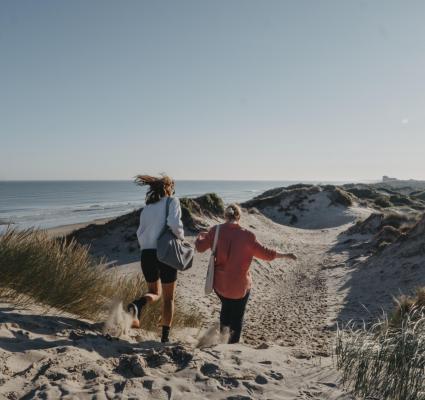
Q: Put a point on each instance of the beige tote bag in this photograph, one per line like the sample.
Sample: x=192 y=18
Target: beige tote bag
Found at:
x=209 y=281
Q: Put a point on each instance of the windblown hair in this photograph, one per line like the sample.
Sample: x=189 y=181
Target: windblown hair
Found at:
x=159 y=187
x=232 y=212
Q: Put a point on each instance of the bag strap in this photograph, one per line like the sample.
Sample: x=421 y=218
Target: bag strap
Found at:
x=167 y=209
x=214 y=248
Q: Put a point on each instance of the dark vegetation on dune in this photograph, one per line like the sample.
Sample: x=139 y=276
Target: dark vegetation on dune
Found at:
x=274 y=197
x=194 y=211
x=339 y=197
x=416 y=236
x=383 y=228
x=419 y=195
x=388 y=195
x=406 y=305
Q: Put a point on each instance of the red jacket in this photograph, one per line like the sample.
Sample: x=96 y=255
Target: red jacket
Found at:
x=236 y=247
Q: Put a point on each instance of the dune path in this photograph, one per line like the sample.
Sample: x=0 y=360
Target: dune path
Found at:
x=292 y=303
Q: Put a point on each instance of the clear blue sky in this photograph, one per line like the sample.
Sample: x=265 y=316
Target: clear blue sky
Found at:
x=212 y=89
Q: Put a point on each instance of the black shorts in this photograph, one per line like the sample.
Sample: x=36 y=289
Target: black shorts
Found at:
x=154 y=269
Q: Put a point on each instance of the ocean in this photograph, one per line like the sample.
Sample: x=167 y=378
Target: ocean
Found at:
x=48 y=204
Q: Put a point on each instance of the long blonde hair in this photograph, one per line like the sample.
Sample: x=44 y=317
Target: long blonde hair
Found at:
x=159 y=187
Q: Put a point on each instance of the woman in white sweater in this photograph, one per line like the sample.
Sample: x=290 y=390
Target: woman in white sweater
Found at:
x=159 y=277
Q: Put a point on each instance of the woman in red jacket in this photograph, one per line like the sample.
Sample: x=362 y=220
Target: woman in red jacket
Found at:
x=236 y=247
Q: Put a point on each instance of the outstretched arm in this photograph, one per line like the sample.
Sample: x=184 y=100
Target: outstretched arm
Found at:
x=263 y=252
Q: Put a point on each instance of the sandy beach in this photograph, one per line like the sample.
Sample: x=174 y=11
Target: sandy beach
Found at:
x=290 y=325
x=298 y=126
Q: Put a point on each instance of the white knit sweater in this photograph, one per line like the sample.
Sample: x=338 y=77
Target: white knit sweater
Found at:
x=152 y=220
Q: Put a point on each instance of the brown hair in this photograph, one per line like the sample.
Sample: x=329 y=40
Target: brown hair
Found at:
x=159 y=187
x=232 y=212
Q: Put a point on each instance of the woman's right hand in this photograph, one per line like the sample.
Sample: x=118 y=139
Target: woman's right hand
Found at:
x=289 y=256
x=202 y=234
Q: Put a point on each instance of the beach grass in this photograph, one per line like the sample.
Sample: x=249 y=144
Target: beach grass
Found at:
x=61 y=274
x=386 y=360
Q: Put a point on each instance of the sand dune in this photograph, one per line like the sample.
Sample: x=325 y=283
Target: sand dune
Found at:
x=387 y=272
x=50 y=356
x=308 y=206
x=290 y=322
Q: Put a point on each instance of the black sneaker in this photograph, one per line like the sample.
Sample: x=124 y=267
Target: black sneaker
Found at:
x=135 y=309
x=165 y=334
x=135 y=313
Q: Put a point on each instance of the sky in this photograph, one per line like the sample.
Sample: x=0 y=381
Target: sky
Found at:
x=223 y=89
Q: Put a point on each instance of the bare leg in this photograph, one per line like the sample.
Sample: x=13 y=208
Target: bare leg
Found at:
x=154 y=291
x=153 y=295
x=168 y=290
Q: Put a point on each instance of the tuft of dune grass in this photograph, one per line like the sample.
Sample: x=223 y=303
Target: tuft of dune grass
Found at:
x=61 y=274
x=408 y=307
x=387 y=359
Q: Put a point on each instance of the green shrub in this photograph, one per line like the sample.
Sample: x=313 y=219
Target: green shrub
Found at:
x=419 y=195
x=400 y=200
x=211 y=204
x=386 y=360
x=406 y=306
x=383 y=202
x=61 y=274
x=194 y=211
x=339 y=196
x=363 y=193
x=400 y=221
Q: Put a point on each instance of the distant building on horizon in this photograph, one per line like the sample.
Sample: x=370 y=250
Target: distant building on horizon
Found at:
x=386 y=178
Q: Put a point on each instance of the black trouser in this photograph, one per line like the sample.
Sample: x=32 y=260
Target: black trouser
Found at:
x=231 y=316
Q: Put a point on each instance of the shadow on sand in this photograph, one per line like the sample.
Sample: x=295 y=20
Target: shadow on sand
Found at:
x=376 y=278
x=36 y=332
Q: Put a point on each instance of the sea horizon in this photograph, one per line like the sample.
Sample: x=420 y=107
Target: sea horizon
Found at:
x=339 y=181
x=53 y=203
